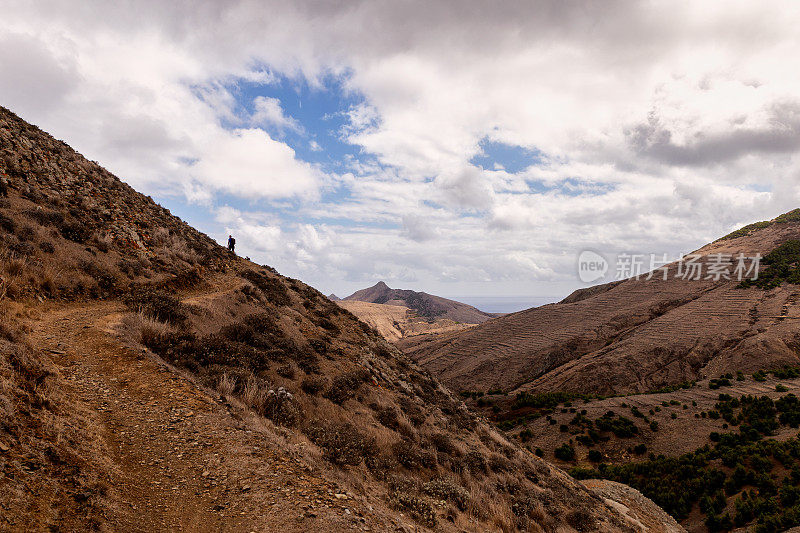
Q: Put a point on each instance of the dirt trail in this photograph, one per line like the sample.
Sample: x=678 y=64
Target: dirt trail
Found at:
x=185 y=461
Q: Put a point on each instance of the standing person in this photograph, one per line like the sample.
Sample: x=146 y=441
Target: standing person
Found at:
x=231 y=244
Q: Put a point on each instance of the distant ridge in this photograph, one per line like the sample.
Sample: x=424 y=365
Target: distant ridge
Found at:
x=332 y=297
x=637 y=335
x=426 y=305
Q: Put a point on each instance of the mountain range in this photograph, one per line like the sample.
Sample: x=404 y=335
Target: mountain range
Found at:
x=150 y=380
x=640 y=334
x=425 y=305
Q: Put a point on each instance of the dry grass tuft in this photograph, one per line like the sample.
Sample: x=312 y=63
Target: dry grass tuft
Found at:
x=226 y=385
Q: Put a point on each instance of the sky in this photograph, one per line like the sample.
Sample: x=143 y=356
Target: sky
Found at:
x=468 y=149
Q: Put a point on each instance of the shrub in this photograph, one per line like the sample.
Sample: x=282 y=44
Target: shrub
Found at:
x=279 y=406
x=475 y=462
x=341 y=442
x=75 y=231
x=7 y=224
x=498 y=463
x=719 y=382
x=595 y=456
x=443 y=489
x=157 y=305
x=443 y=444
x=388 y=417
x=412 y=456
x=581 y=520
x=787 y=372
x=345 y=386
x=621 y=427
x=272 y=288
x=312 y=384
x=418 y=508
x=414 y=413
x=286 y=371
x=565 y=452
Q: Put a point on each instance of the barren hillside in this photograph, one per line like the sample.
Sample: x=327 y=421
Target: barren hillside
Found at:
x=635 y=335
x=152 y=381
x=395 y=322
x=425 y=305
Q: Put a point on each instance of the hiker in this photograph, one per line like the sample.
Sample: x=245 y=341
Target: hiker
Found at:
x=231 y=243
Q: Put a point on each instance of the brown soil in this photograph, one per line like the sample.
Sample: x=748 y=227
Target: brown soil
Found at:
x=395 y=322
x=684 y=434
x=640 y=511
x=423 y=304
x=282 y=410
x=185 y=460
x=634 y=336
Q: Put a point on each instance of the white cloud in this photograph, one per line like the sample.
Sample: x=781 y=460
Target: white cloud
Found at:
x=663 y=124
x=268 y=111
x=249 y=163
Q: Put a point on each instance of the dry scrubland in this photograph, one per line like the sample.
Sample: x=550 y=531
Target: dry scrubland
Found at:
x=151 y=381
x=631 y=336
x=424 y=306
x=684 y=389
x=395 y=322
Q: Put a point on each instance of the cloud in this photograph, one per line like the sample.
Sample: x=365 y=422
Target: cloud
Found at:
x=466 y=188
x=268 y=111
x=33 y=77
x=779 y=134
x=247 y=162
x=419 y=228
x=657 y=126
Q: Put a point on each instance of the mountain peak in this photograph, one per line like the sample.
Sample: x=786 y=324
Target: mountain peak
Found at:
x=381 y=285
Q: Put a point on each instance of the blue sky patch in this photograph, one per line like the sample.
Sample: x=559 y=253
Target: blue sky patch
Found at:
x=511 y=158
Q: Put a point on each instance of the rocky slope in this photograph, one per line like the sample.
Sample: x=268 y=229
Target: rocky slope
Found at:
x=423 y=304
x=395 y=322
x=635 y=335
x=152 y=381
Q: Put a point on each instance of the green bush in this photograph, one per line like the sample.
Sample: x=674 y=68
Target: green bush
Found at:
x=782 y=266
x=565 y=452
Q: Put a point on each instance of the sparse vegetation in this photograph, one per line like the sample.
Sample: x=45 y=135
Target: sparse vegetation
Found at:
x=746 y=230
x=741 y=480
x=782 y=263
